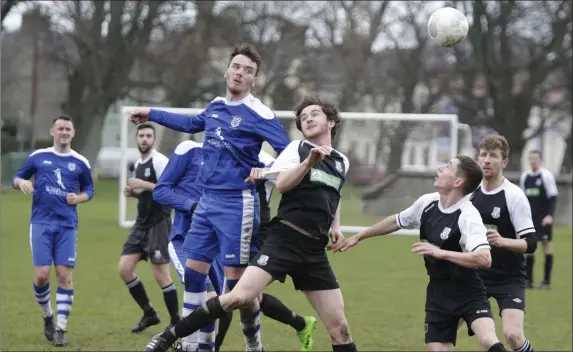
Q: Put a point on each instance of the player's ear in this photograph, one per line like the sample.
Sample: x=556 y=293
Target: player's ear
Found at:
x=331 y=123
x=225 y=74
x=52 y=131
x=504 y=163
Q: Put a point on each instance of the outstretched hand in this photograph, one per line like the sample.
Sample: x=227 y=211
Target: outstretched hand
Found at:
x=138 y=116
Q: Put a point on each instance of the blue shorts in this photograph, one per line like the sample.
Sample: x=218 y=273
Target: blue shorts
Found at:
x=224 y=223
x=178 y=258
x=53 y=243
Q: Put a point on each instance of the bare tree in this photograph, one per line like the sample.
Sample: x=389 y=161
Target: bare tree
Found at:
x=416 y=64
x=99 y=44
x=511 y=45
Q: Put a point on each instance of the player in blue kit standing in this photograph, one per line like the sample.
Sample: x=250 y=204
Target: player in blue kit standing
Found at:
x=226 y=217
x=62 y=179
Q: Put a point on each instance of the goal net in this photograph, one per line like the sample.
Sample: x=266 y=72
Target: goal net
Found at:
x=393 y=160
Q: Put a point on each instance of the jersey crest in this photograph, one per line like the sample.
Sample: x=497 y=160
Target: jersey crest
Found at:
x=147 y=172
x=338 y=166
x=235 y=121
x=445 y=233
x=71 y=166
x=496 y=212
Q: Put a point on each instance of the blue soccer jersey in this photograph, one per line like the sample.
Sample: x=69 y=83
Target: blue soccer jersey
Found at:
x=176 y=187
x=55 y=175
x=53 y=225
x=234 y=134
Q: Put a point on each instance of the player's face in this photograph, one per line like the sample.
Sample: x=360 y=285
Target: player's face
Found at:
x=491 y=162
x=63 y=132
x=145 y=138
x=314 y=122
x=241 y=75
x=535 y=161
x=447 y=176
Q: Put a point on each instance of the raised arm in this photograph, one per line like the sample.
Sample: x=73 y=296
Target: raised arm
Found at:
x=406 y=219
x=272 y=131
x=174 y=171
x=178 y=122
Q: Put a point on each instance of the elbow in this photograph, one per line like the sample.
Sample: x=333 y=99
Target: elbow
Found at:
x=531 y=244
x=483 y=259
x=157 y=194
x=281 y=185
x=281 y=188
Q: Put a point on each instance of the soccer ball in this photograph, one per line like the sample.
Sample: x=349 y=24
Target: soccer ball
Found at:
x=447 y=27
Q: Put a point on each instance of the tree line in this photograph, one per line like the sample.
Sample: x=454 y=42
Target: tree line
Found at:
x=518 y=52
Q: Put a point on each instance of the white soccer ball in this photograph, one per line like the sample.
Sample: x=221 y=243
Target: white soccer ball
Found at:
x=447 y=27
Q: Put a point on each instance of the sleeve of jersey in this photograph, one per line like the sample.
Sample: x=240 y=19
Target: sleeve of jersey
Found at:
x=473 y=232
x=86 y=182
x=286 y=160
x=520 y=215
x=550 y=184
x=272 y=131
x=163 y=191
x=178 y=122
x=26 y=171
x=410 y=218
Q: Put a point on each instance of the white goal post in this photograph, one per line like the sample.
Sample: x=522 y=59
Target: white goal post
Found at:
x=451 y=119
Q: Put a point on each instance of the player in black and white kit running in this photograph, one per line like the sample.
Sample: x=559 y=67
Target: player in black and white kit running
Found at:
x=454 y=245
x=541 y=191
x=310 y=176
x=506 y=213
x=149 y=237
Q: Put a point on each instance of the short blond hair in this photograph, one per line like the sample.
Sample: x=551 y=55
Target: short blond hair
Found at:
x=493 y=142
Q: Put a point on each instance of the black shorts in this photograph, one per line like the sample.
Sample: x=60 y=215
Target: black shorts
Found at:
x=151 y=242
x=304 y=259
x=508 y=296
x=447 y=303
x=543 y=233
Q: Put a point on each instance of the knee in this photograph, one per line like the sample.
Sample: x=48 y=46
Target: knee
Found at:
x=339 y=331
x=42 y=275
x=126 y=271
x=64 y=276
x=242 y=299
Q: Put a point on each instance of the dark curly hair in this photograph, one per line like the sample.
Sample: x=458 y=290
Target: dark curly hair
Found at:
x=249 y=51
x=328 y=108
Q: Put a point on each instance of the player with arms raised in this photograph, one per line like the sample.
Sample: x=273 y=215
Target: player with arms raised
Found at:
x=541 y=192
x=148 y=239
x=454 y=245
x=226 y=217
x=507 y=215
x=62 y=179
x=310 y=175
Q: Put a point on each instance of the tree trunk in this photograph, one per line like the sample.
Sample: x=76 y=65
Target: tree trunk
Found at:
x=567 y=163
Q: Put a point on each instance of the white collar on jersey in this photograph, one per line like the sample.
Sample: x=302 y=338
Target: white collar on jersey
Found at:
x=242 y=101
x=457 y=205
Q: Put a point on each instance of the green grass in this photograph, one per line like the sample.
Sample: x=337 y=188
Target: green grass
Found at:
x=382 y=281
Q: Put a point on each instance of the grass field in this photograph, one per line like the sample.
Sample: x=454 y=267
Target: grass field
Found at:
x=383 y=285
